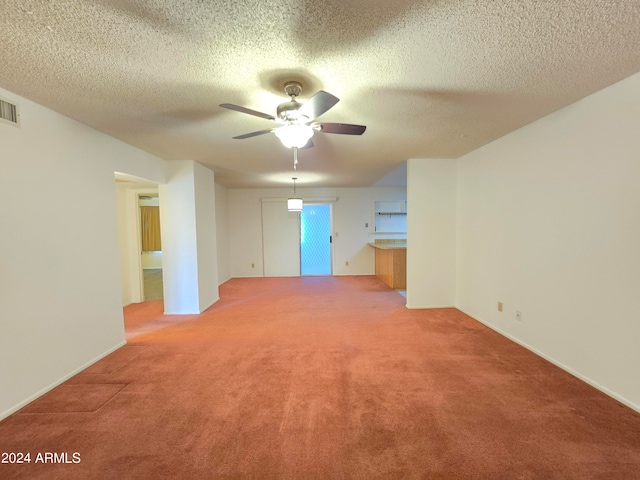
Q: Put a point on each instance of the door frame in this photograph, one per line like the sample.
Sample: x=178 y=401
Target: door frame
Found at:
x=134 y=242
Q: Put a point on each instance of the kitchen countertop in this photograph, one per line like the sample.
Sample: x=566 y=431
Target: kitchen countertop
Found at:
x=390 y=246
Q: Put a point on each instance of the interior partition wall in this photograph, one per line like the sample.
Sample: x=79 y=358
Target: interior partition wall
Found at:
x=280 y=239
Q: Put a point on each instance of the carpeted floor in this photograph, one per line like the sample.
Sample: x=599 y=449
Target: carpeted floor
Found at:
x=322 y=377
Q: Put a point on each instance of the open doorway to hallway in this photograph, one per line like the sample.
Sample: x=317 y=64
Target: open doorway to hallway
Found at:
x=138 y=255
x=150 y=246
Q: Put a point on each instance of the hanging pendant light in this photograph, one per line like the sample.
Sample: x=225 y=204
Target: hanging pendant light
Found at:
x=294 y=204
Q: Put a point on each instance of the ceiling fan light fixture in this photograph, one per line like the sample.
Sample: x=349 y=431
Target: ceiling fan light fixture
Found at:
x=294 y=135
x=298 y=120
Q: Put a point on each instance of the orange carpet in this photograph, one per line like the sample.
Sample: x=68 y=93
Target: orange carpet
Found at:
x=322 y=377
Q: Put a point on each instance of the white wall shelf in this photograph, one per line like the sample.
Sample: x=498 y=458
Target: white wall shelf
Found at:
x=390 y=217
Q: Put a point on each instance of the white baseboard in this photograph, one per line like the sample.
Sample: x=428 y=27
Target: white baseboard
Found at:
x=217 y=299
x=50 y=387
x=564 y=367
x=427 y=307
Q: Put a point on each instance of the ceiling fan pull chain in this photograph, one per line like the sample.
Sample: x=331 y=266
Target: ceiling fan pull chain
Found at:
x=295 y=158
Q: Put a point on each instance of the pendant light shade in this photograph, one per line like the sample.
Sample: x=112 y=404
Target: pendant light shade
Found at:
x=294 y=204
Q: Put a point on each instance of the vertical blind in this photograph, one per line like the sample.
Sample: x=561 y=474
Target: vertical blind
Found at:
x=150 y=219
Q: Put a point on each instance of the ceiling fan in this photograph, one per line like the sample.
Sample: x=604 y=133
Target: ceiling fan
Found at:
x=297 y=120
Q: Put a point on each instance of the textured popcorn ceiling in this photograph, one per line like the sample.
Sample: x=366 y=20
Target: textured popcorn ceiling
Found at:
x=428 y=78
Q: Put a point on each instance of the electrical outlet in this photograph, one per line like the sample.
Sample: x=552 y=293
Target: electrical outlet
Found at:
x=253 y=265
x=499 y=306
x=518 y=315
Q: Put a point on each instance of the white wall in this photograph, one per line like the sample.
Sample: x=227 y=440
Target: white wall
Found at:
x=206 y=238
x=151 y=260
x=431 y=233
x=187 y=205
x=280 y=239
x=123 y=221
x=177 y=227
x=549 y=224
x=222 y=234
x=352 y=210
x=60 y=285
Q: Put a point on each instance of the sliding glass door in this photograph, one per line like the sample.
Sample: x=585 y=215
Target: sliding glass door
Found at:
x=315 y=240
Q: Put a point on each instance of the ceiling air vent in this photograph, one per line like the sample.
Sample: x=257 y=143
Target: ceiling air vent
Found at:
x=8 y=112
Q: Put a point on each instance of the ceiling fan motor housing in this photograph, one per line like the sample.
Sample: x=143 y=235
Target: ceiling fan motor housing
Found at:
x=288 y=111
x=293 y=89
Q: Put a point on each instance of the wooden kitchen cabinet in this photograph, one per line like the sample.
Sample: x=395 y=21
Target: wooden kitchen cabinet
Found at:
x=391 y=264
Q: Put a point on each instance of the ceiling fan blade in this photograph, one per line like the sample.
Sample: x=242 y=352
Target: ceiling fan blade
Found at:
x=317 y=105
x=248 y=111
x=342 y=128
x=253 y=134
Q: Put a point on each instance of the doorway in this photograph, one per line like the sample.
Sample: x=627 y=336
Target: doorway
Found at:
x=151 y=246
x=315 y=239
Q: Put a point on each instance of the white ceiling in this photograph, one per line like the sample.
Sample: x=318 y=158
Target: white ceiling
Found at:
x=429 y=78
